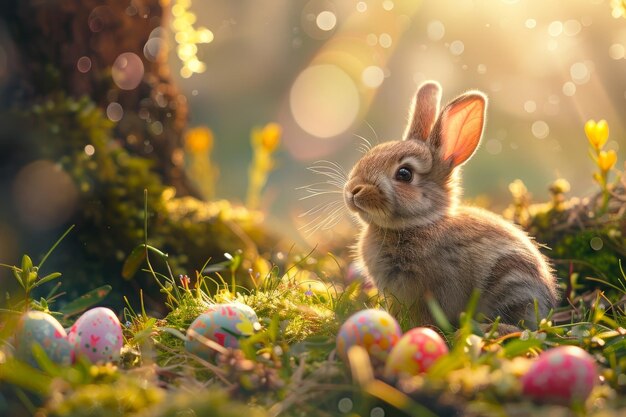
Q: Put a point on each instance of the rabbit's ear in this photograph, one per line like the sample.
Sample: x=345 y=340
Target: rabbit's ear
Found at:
x=460 y=127
x=424 y=111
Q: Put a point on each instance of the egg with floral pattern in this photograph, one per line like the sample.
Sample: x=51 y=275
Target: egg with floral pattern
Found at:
x=97 y=336
x=224 y=324
x=562 y=375
x=415 y=352
x=375 y=330
x=37 y=327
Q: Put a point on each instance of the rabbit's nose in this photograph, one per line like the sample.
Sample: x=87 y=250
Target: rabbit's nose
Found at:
x=356 y=189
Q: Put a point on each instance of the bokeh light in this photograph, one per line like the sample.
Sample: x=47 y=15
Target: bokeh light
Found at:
x=115 y=112
x=324 y=101
x=580 y=73
x=436 y=30
x=616 y=51
x=385 y=40
x=44 y=195
x=457 y=47
x=540 y=129
x=127 y=71
x=373 y=76
x=83 y=64
x=326 y=20
x=187 y=36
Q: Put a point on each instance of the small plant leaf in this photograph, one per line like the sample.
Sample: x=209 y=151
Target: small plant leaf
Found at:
x=143 y=334
x=85 y=301
x=518 y=347
x=134 y=261
x=18 y=276
x=27 y=264
x=47 y=278
x=218 y=267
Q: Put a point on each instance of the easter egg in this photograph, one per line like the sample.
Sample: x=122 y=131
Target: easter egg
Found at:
x=246 y=310
x=375 y=330
x=37 y=327
x=561 y=375
x=97 y=335
x=221 y=323
x=415 y=352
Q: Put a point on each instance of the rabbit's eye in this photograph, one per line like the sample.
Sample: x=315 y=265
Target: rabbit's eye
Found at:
x=404 y=174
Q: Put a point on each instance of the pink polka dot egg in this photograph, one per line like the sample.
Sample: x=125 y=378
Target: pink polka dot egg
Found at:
x=97 y=336
x=562 y=375
x=37 y=327
x=415 y=352
x=221 y=323
x=375 y=330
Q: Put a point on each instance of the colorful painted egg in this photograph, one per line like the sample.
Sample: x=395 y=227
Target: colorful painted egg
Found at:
x=37 y=327
x=221 y=323
x=415 y=352
x=375 y=330
x=245 y=309
x=561 y=375
x=97 y=335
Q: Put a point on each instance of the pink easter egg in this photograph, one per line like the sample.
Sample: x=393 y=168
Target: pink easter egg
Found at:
x=97 y=335
x=415 y=352
x=561 y=375
x=375 y=330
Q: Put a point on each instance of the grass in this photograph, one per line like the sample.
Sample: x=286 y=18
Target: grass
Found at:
x=289 y=366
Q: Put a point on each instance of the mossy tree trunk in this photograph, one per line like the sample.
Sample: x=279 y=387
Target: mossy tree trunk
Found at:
x=70 y=46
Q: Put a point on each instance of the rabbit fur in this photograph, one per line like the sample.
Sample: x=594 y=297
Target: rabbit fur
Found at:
x=416 y=239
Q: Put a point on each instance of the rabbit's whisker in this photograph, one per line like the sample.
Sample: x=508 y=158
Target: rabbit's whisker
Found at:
x=318 y=193
x=329 y=166
x=323 y=207
x=328 y=172
x=317 y=184
x=367 y=145
x=333 y=164
x=373 y=131
x=325 y=224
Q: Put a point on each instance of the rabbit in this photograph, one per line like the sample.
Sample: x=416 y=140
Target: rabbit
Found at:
x=417 y=240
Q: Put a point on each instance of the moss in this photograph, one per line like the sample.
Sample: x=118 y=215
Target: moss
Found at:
x=300 y=315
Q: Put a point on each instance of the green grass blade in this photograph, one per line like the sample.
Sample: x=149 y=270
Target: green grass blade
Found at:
x=85 y=301
x=45 y=257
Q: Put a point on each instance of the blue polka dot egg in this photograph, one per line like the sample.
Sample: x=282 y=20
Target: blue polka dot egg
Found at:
x=224 y=324
x=37 y=327
x=375 y=330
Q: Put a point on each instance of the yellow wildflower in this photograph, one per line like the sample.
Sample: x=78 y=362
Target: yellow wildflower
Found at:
x=267 y=138
x=560 y=186
x=597 y=133
x=199 y=140
x=518 y=189
x=606 y=160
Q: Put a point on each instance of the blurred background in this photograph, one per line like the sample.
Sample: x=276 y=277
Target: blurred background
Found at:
x=328 y=71
x=209 y=88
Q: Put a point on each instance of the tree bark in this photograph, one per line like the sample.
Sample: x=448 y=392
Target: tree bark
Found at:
x=71 y=46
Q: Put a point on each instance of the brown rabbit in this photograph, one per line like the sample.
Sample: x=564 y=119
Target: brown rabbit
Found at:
x=416 y=238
